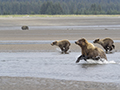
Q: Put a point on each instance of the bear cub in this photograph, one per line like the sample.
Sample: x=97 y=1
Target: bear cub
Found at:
x=107 y=44
x=64 y=45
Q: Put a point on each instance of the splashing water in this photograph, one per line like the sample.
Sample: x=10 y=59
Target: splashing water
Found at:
x=101 y=61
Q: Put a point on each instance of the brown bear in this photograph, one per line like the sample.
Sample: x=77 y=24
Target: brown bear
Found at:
x=24 y=28
x=63 y=44
x=89 y=51
x=107 y=43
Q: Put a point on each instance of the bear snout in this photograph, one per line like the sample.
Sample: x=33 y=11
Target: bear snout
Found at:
x=76 y=42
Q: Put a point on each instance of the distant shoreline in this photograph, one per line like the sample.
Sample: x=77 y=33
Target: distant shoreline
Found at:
x=40 y=15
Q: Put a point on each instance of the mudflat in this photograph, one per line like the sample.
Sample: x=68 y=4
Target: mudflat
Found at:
x=55 y=28
x=29 y=83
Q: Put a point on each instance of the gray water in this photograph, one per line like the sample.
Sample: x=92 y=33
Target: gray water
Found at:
x=59 y=66
x=96 y=27
x=18 y=42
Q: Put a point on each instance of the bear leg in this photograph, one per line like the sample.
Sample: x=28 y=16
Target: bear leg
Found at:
x=110 y=48
x=81 y=57
x=106 y=49
x=113 y=46
x=62 y=50
x=66 y=49
x=96 y=58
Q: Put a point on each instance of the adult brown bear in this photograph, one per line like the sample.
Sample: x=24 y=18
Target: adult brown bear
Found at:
x=63 y=44
x=24 y=28
x=89 y=51
x=107 y=43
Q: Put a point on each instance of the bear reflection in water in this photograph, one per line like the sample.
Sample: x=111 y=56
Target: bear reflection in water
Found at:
x=89 y=51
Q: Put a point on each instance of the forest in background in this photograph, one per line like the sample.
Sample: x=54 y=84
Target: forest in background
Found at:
x=53 y=7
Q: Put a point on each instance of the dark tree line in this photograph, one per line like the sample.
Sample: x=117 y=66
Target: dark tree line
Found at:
x=53 y=7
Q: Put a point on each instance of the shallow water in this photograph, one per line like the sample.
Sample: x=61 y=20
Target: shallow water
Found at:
x=18 y=42
x=97 y=27
x=59 y=66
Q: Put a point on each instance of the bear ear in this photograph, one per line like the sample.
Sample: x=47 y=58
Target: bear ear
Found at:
x=83 y=39
x=98 y=39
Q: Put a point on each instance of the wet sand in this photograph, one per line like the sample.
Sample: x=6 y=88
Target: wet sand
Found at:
x=91 y=28
x=29 y=83
x=70 y=33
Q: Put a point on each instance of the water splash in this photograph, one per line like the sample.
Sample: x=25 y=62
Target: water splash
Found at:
x=101 y=61
x=58 y=49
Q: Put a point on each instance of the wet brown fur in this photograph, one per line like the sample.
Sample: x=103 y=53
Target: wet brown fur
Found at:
x=107 y=43
x=89 y=51
x=63 y=45
x=24 y=28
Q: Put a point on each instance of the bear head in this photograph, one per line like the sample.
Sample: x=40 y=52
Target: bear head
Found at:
x=54 y=43
x=81 y=42
x=96 y=40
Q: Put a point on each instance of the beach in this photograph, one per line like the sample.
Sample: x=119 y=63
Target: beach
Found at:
x=24 y=83
x=42 y=32
x=57 y=28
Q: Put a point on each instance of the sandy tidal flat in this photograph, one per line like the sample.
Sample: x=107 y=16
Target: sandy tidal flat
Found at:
x=18 y=83
x=54 y=28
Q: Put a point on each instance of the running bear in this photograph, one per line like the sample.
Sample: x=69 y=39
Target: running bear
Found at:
x=89 y=51
x=64 y=45
x=107 y=43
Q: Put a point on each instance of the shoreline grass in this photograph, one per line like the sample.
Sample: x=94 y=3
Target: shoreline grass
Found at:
x=40 y=15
